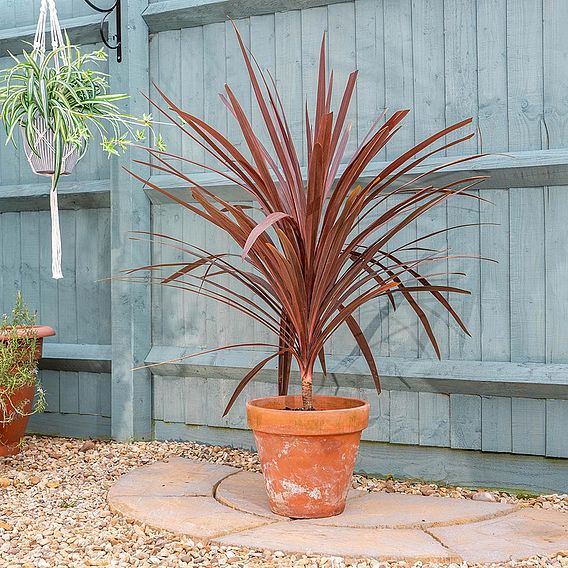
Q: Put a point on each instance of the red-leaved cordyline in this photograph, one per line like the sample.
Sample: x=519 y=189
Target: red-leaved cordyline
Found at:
x=321 y=249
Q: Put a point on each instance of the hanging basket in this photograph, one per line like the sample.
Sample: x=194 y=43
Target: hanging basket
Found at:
x=42 y=161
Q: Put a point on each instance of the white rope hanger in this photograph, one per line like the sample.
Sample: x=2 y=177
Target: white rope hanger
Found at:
x=48 y=7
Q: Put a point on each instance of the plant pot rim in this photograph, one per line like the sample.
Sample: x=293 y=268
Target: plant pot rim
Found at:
x=333 y=415
x=40 y=331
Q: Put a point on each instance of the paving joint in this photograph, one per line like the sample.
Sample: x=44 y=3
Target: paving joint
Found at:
x=229 y=506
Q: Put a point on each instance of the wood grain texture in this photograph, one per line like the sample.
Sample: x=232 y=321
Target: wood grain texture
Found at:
x=496 y=424
x=465 y=421
x=130 y=210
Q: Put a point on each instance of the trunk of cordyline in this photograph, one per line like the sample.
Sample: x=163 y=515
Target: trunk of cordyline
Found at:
x=307 y=390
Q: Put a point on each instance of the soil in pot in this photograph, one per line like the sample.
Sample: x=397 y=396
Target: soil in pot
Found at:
x=307 y=458
x=17 y=406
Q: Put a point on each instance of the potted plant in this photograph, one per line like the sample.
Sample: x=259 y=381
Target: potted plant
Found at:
x=21 y=342
x=320 y=250
x=59 y=101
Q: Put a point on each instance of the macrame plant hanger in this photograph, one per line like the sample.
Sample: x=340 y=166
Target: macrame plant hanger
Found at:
x=44 y=158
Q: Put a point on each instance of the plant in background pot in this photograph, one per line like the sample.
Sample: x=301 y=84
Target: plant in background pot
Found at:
x=59 y=101
x=321 y=247
x=21 y=342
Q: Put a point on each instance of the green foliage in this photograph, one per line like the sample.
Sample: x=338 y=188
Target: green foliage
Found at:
x=18 y=362
x=65 y=89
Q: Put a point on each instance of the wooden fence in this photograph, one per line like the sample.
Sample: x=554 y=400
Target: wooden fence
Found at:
x=494 y=411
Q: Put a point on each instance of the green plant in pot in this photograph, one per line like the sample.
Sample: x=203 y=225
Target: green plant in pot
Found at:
x=59 y=101
x=321 y=247
x=21 y=342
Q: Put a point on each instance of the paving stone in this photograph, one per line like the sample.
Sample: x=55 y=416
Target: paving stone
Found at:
x=304 y=537
x=200 y=517
x=245 y=491
x=176 y=477
x=524 y=533
x=391 y=510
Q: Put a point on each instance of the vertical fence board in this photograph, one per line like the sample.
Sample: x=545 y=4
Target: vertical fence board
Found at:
x=379 y=416
x=288 y=69
x=495 y=328
x=370 y=53
x=434 y=419
x=556 y=428
x=404 y=423
x=465 y=421
x=527 y=283
x=529 y=426
x=50 y=383
x=69 y=392
x=496 y=429
x=525 y=74
x=492 y=75
x=399 y=86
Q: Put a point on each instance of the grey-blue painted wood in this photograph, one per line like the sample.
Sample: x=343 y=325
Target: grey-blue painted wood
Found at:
x=434 y=419
x=556 y=428
x=81 y=30
x=176 y=14
x=496 y=424
x=442 y=59
x=516 y=169
x=404 y=425
x=465 y=468
x=465 y=421
x=528 y=420
x=71 y=194
x=72 y=425
x=130 y=210
x=529 y=380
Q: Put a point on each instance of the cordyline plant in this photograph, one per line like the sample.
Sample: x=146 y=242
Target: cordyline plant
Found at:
x=306 y=263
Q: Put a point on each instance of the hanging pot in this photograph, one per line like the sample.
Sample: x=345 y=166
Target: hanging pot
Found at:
x=42 y=161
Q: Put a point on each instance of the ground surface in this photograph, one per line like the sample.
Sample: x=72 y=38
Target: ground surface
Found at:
x=54 y=511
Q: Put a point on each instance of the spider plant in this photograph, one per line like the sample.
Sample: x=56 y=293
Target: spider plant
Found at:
x=64 y=89
x=306 y=263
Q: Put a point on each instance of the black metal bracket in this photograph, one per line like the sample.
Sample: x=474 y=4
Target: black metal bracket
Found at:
x=115 y=7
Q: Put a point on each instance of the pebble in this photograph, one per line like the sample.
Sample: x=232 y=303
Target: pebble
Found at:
x=484 y=496
x=88 y=445
x=70 y=525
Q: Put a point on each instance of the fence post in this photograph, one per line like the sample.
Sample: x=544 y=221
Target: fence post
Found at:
x=130 y=211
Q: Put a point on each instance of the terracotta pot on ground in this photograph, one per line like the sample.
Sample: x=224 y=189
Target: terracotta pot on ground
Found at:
x=12 y=432
x=307 y=457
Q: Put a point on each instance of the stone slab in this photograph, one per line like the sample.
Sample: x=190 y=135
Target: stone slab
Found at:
x=245 y=491
x=524 y=533
x=200 y=517
x=175 y=478
x=399 y=510
x=180 y=496
x=304 y=537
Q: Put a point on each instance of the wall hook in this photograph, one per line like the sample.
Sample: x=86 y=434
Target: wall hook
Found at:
x=115 y=7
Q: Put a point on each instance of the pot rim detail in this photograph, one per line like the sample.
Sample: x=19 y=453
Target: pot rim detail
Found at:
x=333 y=415
x=41 y=331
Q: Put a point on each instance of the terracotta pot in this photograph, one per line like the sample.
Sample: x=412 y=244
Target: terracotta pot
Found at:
x=12 y=432
x=307 y=457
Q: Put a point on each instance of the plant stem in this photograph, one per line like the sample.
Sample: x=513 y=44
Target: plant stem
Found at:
x=307 y=390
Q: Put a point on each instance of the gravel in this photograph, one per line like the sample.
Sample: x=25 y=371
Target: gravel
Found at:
x=53 y=511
